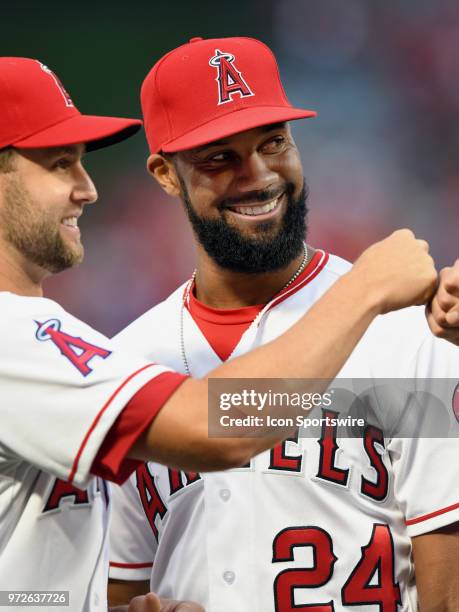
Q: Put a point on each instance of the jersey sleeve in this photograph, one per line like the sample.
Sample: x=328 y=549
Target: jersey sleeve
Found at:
x=132 y=542
x=426 y=464
x=414 y=376
x=63 y=387
x=111 y=462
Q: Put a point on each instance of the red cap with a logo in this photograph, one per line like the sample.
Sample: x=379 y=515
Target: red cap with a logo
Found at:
x=36 y=111
x=208 y=89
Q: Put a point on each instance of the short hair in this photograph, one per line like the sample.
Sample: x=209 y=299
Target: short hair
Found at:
x=6 y=159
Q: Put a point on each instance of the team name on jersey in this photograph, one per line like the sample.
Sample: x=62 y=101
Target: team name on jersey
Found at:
x=282 y=459
x=64 y=494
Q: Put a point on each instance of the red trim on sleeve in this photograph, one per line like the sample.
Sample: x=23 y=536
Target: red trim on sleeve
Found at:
x=111 y=461
x=96 y=420
x=419 y=519
x=130 y=565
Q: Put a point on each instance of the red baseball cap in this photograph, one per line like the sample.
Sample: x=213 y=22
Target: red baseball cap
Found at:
x=36 y=111
x=208 y=89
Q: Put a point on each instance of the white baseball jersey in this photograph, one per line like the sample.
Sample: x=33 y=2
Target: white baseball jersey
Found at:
x=63 y=387
x=321 y=523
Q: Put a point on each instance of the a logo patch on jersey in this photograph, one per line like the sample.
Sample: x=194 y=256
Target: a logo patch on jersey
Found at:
x=75 y=349
x=229 y=78
x=65 y=95
x=456 y=402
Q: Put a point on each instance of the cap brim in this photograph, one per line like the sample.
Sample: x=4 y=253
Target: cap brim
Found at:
x=233 y=123
x=95 y=132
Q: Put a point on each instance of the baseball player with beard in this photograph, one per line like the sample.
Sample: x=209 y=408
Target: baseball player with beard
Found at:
x=326 y=524
x=75 y=410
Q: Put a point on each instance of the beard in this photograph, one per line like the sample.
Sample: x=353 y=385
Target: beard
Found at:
x=35 y=233
x=269 y=250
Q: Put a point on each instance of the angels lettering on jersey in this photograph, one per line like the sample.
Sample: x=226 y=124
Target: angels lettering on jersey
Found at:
x=63 y=494
x=282 y=460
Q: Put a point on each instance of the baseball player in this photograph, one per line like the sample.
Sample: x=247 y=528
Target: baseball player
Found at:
x=325 y=524
x=74 y=410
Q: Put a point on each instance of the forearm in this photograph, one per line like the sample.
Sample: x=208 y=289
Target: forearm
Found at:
x=315 y=349
x=318 y=345
x=392 y=274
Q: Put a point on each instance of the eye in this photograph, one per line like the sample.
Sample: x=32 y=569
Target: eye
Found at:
x=63 y=163
x=274 y=145
x=221 y=156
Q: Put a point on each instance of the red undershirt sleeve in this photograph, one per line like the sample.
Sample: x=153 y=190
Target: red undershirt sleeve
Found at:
x=111 y=462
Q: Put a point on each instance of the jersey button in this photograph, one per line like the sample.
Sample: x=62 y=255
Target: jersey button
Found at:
x=225 y=494
x=229 y=577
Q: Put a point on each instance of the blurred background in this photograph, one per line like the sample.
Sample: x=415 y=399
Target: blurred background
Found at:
x=383 y=152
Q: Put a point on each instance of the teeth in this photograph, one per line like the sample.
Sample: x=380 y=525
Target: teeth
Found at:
x=70 y=221
x=256 y=210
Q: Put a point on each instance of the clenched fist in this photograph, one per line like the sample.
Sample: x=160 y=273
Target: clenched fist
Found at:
x=152 y=603
x=443 y=311
x=397 y=271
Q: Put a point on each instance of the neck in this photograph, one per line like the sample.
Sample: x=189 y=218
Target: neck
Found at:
x=221 y=288
x=19 y=276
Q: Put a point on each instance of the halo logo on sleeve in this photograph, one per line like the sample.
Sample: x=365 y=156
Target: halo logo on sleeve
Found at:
x=75 y=349
x=65 y=95
x=230 y=80
x=456 y=402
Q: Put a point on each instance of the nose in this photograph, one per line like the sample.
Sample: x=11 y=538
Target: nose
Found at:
x=84 y=191
x=255 y=173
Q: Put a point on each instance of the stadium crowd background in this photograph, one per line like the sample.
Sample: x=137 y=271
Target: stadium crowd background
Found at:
x=383 y=152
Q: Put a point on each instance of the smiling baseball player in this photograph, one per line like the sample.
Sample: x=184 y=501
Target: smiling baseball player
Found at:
x=322 y=524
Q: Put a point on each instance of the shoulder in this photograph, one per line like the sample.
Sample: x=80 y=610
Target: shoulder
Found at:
x=19 y=314
x=17 y=306
x=400 y=344
x=325 y=270
x=155 y=326
x=337 y=266
x=329 y=268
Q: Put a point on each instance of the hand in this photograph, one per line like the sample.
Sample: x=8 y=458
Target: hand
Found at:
x=397 y=271
x=145 y=603
x=443 y=311
x=152 y=603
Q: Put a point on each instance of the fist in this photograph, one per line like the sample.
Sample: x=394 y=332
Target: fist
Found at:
x=397 y=272
x=443 y=311
x=145 y=603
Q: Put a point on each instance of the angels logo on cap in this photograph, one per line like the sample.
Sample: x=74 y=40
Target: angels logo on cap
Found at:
x=67 y=98
x=184 y=108
x=230 y=80
x=36 y=111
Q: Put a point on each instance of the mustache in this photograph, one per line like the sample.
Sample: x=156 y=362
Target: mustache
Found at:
x=252 y=197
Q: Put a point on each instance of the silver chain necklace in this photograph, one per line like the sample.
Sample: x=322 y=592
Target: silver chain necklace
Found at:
x=186 y=297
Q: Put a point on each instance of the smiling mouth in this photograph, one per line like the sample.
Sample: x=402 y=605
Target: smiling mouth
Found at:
x=71 y=223
x=258 y=209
